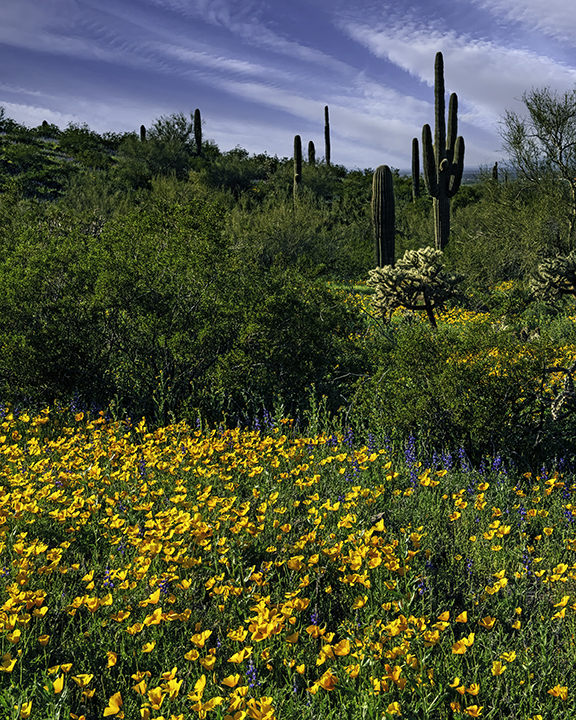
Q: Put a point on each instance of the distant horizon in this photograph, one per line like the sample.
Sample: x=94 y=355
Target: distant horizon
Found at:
x=468 y=169
x=261 y=71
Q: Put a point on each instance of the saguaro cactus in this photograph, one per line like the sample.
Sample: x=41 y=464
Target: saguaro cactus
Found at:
x=297 y=163
x=327 y=135
x=142 y=133
x=415 y=170
x=443 y=161
x=383 y=216
x=198 y=131
x=311 y=153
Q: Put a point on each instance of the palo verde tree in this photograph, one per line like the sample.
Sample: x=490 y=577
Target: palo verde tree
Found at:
x=542 y=145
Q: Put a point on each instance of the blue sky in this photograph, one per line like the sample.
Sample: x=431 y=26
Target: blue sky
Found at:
x=262 y=71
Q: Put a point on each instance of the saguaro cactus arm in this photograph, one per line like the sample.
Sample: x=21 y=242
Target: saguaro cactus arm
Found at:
x=457 y=168
x=429 y=162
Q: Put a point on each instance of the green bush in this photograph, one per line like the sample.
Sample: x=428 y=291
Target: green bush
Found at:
x=160 y=314
x=477 y=386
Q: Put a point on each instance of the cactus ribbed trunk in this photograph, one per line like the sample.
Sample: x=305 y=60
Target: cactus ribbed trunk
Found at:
x=297 y=164
x=383 y=216
x=415 y=170
x=327 y=135
x=198 y=131
x=443 y=160
x=311 y=153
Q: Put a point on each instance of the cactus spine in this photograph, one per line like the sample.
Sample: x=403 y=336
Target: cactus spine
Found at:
x=142 y=133
x=415 y=170
x=443 y=161
x=198 y=131
x=311 y=153
x=383 y=216
x=327 y=135
x=297 y=164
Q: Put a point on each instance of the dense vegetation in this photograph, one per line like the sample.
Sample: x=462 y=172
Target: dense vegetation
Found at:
x=321 y=506
x=152 y=277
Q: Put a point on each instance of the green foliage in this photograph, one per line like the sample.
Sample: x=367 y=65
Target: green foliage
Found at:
x=417 y=282
x=48 y=325
x=315 y=239
x=503 y=232
x=161 y=313
x=476 y=386
x=170 y=149
x=85 y=146
x=236 y=173
x=296 y=335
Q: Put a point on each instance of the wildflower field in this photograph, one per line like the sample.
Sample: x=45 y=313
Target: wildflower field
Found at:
x=179 y=573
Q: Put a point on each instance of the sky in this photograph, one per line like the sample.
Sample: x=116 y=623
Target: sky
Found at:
x=261 y=71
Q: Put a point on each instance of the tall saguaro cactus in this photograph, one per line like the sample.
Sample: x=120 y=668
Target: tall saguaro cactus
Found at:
x=311 y=153
x=383 y=216
x=327 y=135
x=142 y=133
x=415 y=170
x=443 y=160
x=198 y=131
x=297 y=164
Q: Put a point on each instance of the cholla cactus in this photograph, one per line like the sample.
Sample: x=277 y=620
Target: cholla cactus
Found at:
x=417 y=282
x=555 y=277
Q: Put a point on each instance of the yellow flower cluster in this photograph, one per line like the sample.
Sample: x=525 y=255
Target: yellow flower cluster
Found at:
x=200 y=564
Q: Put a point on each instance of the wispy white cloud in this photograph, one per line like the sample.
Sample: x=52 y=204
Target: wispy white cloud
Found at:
x=373 y=65
x=367 y=116
x=487 y=77
x=203 y=57
x=62 y=27
x=245 y=20
x=556 y=18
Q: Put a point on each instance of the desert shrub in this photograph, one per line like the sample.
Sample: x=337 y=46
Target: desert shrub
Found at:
x=48 y=323
x=159 y=314
x=476 y=386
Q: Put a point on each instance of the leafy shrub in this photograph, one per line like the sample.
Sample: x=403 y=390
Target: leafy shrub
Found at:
x=477 y=386
x=159 y=313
